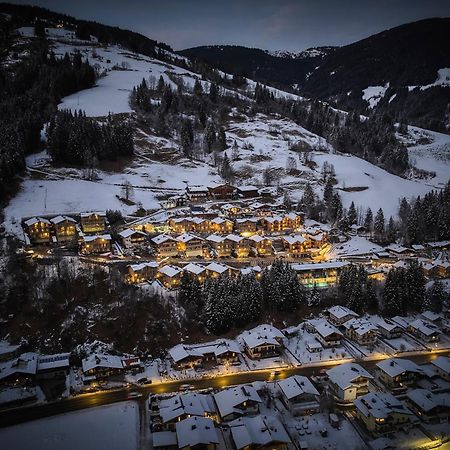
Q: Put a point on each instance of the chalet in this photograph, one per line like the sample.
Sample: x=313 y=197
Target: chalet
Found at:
x=389 y=329
x=348 y=381
x=261 y=244
x=397 y=373
x=197 y=194
x=53 y=366
x=382 y=413
x=237 y=401
x=340 y=314
x=260 y=432
x=200 y=224
x=215 y=270
x=221 y=191
x=431 y=316
x=180 y=224
x=221 y=225
x=247 y=191
x=38 y=230
x=173 y=201
x=429 y=406
x=291 y=221
x=65 y=228
x=20 y=370
x=196 y=271
x=272 y=224
x=317 y=240
x=246 y=226
x=189 y=245
x=183 y=406
x=295 y=245
x=231 y=209
x=138 y=273
x=164 y=246
x=442 y=367
x=95 y=244
x=263 y=341
x=327 y=334
x=299 y=395
x=197 y=433
x=361 y=331
x=221 y=246
x=169 y=276
x=100 y=366
x=222 y=351
x=93 y=222
x=253 y=270
x=442 y=268
x=239 y=244
x=132 y=239
x=426 y=331
x=320 y=275
x=262 y=209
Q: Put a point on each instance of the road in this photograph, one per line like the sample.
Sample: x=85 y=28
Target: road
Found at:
x=24 y=414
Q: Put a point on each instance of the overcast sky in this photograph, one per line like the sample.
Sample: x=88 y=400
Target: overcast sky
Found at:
x=268 y=24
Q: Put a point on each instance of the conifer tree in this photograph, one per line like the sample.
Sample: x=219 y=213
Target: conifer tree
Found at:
x=368 y=221
x=352 y=215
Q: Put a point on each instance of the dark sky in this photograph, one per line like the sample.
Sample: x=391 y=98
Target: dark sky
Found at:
x=269 y=24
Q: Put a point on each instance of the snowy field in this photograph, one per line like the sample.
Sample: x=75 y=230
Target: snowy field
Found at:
x=114 y=427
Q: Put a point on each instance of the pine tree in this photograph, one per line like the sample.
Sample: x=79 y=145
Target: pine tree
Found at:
x=209 y=138
x=415 y=286
x=213 y=92
x=352 y=215
x=391 y=234
x=186 y=137
x=314 y=298
x=394 y=292
x=226 y=172
x=436 y=297
x=221 y=139
x=328 y=191
x=235 y=151
x=379 y=225
x=198 y=89
x=368 y=221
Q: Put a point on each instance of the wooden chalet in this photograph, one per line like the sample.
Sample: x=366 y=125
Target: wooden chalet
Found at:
x=164 y=246
x=65 y=228
x=95 y=244
x=93 y=222
x=38 y=230
x=132 y=239
x=221 y=191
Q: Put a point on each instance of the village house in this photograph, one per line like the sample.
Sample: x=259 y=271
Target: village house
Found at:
x=164 y=246
x=132 y=239
x=338 y=314
x=263 y=341
x=295 y=245
x=195 y=271
x=261 y=244
x=240 y=245
x=260 y=432
x=65 y=228
x=348 y=381
x=231 y=209
x=262 y=209
x=248 y=191
x=221 y=246
x=180 y=224
x=442 y=367
x=189 y=245
x=426 y=331
x=38 y=230
x=222 y=351
x=197 y=194
x=197 y=433
x=21 y=370
x=299 y=395
x=9 y=351
x=246 y=226
x=431 y=316
x=382 y=413
x=321 y=275
x=182 y=406
x=138 y=273
x=237 y=401
x=361 y=330
x=169 y=276
x=429 y=406
x=221 y=191
x=389 y=329
x=93 y=222
x=53 y=366
x=291 y=222
x=100 y=366
x=200 y=225
x=95 y=244
x=316 y=241
x=221 y=225
x=215 y=270
x=398 y=373
x=272 y=224
x=327 y=334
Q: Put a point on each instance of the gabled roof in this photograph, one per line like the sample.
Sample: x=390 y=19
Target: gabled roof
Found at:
x=25 y=364
x=169 y=270
x=140 y=266
x=234 y=238
x=215 y=238
x=427 y=401
x=196 y=269
x=186 y=237
x=34 y=220
x=92 y=213
x=443 y=363
x=220 y=220
x=228 y=400
x=196 y=431
x=190 y=403
x=102 y=360
x=294 y=239
x=261 y=335
x=380 y=405
x=259 y=431
x=59 y=219
x=217 y=267
x=297 y=385
x=341 y=311
x=425 y=328
x=161 y=238
x=397 y=366
x=325 y=329
x=344 y=374
x=129 y=232
x=105 y=237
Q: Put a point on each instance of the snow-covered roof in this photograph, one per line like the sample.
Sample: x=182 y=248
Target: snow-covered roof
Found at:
x=297 y=385
x=220 y=220
x=182 y=351
x=431 y=316
x=190 y=403
x=140 y=266
x=340 y=312
x=247 y=219
x=380 y=405
x=93 y=213
x=217 y=267
x=215 y=238
x=25 y=364
x=169 y=270
x=247 y=188
x=427 y=400
x=17 y=394
x=443 y=363
x=59 y=219
x=258 y=431
x=161 y=238
x=423 y=327
x=258 y=238
x=48 y=362
x=6 y=347
x=187 y=237
x=273 y=219
x=319 y=266
x=387 y=325
x=294 y=239
x=397 y=366
x=196 y=431
x=101 y=360
x=228 y=400
x=194 y=268
x=397 y=248
x=129 y=232
x=234 y=238
x=261 y=335
x=164 y=439
x=251 y=269
x=325 y=329
x=34 y=220
x=91 y=238
x=197 y=189
x=344 y=374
